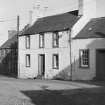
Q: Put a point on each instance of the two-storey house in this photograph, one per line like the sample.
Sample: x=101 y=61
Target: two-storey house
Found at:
x=65 y=46
x=44 y=49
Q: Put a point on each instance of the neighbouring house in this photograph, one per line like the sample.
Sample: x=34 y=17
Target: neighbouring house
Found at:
x=88 y=51
x=9 y=54
x=65 y=46
x=9 y=57
x=11 y=33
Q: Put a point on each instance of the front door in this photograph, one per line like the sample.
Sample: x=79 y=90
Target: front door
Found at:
x=100 y=64
x=41 y=64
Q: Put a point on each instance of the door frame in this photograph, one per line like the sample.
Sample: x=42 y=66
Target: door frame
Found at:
x=39 y=55
x=99 y=49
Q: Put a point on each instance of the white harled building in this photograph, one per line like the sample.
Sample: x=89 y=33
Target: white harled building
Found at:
x=65 y=46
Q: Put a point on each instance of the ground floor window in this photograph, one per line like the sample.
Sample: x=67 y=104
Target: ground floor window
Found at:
x=27 y=60
x=55 y=61
x=84 y=58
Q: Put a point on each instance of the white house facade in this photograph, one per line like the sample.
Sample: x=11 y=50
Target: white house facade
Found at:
x=66 y=46
x=46 y=61
x=88 y=57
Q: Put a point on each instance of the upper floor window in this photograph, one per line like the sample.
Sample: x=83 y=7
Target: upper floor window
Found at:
x=84 y=58
x=55 y=39
x=27 y=42
x=41 y=40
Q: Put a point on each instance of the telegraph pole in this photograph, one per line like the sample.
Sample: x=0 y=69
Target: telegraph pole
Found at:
x=18 y=24
x=18 y=21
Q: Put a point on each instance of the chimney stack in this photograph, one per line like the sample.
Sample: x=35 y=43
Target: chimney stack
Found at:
x=80 y=7
x=11 y=33
x=30 y=17
x=87 y=8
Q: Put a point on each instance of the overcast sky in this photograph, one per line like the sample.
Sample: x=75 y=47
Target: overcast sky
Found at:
x=9 y=9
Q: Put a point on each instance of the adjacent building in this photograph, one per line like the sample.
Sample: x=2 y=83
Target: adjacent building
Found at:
x=9 y=56
x=65 y=46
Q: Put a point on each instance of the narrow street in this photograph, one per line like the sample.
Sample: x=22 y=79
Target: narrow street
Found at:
x=49 y=92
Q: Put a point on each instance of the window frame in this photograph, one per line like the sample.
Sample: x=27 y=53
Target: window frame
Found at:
x=28 y=55
x=43 y=39
x=81 y=58
x=57 y=67
x=55 y=40
x=26 y=41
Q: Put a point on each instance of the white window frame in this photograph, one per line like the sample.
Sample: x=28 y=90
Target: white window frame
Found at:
x=41 y=40
x=28 y=60
x=55 y=39
x=55 y=61
x=84 y=58
x=27 y=42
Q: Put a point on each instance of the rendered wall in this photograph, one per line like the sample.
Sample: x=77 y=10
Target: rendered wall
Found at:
x=92 y=45
x=63 y=51
x=64 y=58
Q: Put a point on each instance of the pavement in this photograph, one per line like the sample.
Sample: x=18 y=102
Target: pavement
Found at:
x=20 y=91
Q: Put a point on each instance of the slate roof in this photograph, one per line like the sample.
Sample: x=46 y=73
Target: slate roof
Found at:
x=52 y=23
x=10 y=43
x=94 y=29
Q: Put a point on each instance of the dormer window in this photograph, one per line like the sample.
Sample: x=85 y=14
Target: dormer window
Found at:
x=55 y=40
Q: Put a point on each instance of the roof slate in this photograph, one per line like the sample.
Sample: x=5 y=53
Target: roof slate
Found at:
x=94 y=29
x=52 y=23
x=10 y=43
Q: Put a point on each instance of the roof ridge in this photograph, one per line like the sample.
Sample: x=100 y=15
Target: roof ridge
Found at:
x=69 y=12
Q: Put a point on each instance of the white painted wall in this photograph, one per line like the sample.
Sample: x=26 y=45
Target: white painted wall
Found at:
x=63 y=51
x=92 y=45
x=64 y=57
x=27 y=72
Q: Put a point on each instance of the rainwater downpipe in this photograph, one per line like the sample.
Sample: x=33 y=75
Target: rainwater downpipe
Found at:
x=70 y=44
x=18 y=68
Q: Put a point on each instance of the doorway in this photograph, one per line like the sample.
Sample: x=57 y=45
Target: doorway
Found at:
x=41 y=65
x=100 y=64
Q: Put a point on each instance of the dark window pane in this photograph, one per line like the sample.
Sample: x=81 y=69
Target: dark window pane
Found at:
x=27 y=42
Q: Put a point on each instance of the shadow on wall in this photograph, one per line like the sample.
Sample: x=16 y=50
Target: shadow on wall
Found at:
x=63 y=74
x=8 y=61
x=92 y=46
x=83 y=96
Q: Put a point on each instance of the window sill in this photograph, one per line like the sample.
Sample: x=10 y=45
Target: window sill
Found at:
x=84 y=67
x=55 y=47
x=28 y=66
x=41 y=47
x=27 y=48
x=56 y=68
